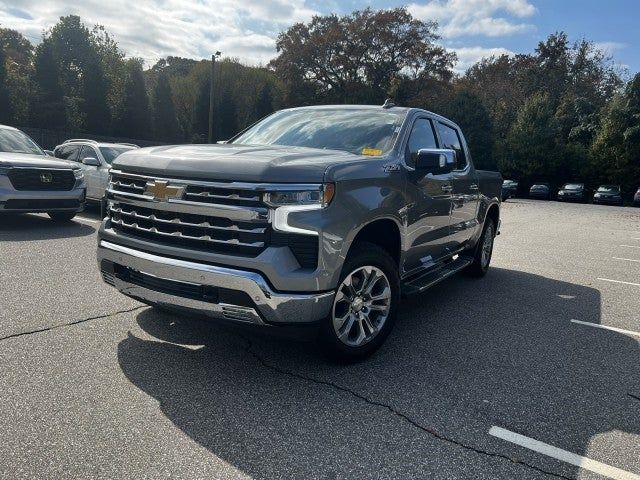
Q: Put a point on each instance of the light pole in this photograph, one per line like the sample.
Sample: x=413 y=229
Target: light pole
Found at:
x=211 y=82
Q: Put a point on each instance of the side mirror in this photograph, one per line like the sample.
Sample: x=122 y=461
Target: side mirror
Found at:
x=49 y=153
x=222 y=142
x=91 y=162
x=435 y=160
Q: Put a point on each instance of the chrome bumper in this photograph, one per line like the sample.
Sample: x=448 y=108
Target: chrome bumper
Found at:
x=269 y=307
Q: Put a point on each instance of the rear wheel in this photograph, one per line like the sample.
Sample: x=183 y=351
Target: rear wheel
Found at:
x=484 y=250
x=61 y=216
x=364 y=308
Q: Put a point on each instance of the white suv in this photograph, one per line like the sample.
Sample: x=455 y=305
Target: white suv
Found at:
x=95 y=159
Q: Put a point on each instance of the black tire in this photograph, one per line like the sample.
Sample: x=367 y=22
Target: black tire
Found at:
x=363 y=254
x=480 y=267
x=61 y=216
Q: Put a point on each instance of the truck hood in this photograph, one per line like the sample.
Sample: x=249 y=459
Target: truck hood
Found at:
x=8 y=159
x=229 y=162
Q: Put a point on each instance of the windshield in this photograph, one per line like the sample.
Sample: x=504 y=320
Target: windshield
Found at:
x=14 y=141
x=540 y=185
x=363 y=132
x=609 y=188
x=573 y=186
x=111 y=153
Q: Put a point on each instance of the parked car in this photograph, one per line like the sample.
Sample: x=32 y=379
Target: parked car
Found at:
x=314 y=217
x=31 y=181
x=541 y=191
x=509 y=189
x=608 y=194
x=573 y=192
x=95 y=158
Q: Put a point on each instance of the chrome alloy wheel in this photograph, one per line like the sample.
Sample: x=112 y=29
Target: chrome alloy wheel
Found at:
x=487 y=247
x=361 y=306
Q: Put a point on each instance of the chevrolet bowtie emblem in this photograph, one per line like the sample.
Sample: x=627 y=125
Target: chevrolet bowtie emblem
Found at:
x=161 y=190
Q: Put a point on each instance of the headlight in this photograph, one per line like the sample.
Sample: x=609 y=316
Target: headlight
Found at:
x=321 y=196
x=287 y=202
x=78 y=173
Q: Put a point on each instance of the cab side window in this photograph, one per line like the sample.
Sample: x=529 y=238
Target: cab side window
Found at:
x=421 y=136
x=451 y=139
x=68 y=152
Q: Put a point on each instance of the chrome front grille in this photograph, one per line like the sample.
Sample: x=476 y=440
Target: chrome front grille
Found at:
x=217 y=217
x=221 y=193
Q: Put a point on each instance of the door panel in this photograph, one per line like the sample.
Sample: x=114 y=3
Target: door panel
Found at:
x=465 y=196
x=428 y=214
x=92 y=175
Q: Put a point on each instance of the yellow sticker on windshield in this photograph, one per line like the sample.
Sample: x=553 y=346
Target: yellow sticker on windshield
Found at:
x=372 y=152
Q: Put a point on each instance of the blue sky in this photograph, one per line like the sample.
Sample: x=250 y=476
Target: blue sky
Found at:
x=246 y=29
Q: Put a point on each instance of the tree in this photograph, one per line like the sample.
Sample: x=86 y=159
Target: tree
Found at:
x=165 y=125
x=616 y=149
x=47 y=109
x=133 y=119
x=6 y=109
x=355 y=58
x=466 y=109
x=532 y=150
x=81 y=75
x=17 y=83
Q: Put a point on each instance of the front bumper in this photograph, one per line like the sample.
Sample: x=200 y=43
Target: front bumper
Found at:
x=607 y=200
x=208 y=290
x=26 y=201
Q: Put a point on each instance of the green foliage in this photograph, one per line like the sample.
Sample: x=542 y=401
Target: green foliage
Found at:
x=165 y=124
x=18 y=71
x=133 y=119
x=6 y=109
x=466 y=109
x=616 y=149
x=47 y=109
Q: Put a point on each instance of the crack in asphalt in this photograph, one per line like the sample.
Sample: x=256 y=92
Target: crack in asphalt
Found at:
x=634 y=396
x=395 y=412
x=75 y=322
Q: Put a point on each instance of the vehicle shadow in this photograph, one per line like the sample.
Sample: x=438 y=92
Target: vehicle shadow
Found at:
x=464 y=356
x=28 y=227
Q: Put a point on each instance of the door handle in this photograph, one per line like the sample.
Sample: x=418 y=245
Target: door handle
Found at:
x=447 y=188
x=473 y=186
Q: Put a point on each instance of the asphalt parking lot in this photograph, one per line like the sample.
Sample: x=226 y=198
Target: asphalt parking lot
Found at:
x=511 y=376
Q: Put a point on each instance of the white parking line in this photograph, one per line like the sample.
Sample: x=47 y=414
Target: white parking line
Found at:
x=631 y=246
x=563 y=455
x=626 y=259
x=615 y=329
x=618 y=281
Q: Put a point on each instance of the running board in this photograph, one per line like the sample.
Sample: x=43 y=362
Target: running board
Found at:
x=428 y=279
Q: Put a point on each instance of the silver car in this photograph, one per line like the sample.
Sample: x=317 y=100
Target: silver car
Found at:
x=95 y=159
x=32 y=181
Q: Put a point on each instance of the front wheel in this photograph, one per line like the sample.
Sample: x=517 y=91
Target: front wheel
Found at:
x=484 y=251
x=364 y=308
x=61 y=216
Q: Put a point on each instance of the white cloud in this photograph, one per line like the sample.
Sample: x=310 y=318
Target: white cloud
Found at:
x=152 y=29
x=610 y=47
x=476 y=17
x=468 y=56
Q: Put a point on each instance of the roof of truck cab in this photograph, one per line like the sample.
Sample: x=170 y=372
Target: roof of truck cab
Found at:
x=8 y=127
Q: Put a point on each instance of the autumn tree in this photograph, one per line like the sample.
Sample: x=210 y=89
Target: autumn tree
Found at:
x=356 y=58
x=18 y=73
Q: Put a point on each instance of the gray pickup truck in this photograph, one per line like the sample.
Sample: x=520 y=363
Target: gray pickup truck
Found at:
x=313 y=217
